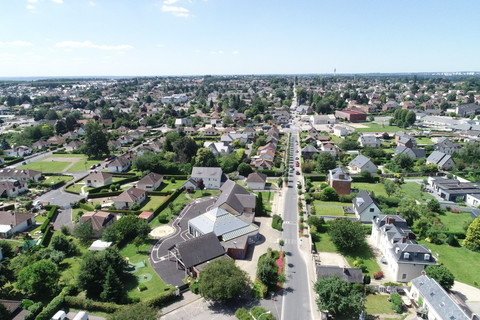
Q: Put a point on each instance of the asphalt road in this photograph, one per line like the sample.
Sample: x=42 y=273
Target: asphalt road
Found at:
x=62 y=199
x=296 y=296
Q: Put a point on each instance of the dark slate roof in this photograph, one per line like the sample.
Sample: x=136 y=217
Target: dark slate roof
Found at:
x=438 y=158
x=362 y=201
x=230 y=195
x=352 y=275
x=337 y=173
x=359 y=161
x=199 y=250
x=257 y=177
x=438 y=299
x=310 y=149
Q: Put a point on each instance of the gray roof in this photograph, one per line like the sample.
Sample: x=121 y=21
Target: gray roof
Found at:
x=414 y=153
x=359 y=161
x=438 y=158
x=201 y=249
x=369 y=139
x=438 y=299
x=230 y=195
x=339 y=174
x=206 y=172
x=257 y=177
x=362 y=201
x=310 y=149
x=352 y=275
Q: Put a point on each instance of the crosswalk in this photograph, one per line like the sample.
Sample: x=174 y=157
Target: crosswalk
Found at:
x=289 y=222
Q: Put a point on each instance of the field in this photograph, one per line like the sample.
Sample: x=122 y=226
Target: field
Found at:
x=169 y=186
x=377 y=188
x=56 y=179
x=46 y=166
x=455 y=221
x=375 y=127
x=423 y=140
x=459 y=261
x=153 y=203
x=82 y=165
x=412 y=190
x=329 y=211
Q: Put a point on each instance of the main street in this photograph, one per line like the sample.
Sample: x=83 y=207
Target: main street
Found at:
x=296 y=300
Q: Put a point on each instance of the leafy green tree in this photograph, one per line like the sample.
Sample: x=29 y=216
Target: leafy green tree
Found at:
x=138 y=311
x=51 y=115
x=229 y=162
x=126 y=229
x=339 y=297
x=222 y=280
x=434 y=206
x=409 y=210
x=267 y=269
x=259 y=206
x=390 y=187
x=70 y=122
x=4 y=313
x=39 y=279
x=325 y=161
x=7 y=249
x=205 y=158
x=442 y=275
x=329 y=194
x=347 y=235
x=403 y=162
x=244 y=169
x=83 y=232
x=95 y=140
x=472 y=239
x=61 y=243
x=61 y=127
x=349 y=144
x=185 y=149
x=6 y=273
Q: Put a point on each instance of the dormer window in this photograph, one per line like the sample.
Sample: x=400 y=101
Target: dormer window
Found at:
x=427 y=257
x=406 y=255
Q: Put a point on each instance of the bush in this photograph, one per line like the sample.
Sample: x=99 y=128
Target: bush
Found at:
x=33 y=311
x=142 y=287
x=242 y=314
x=90 y=305
x=396 y=302
x=277 y=222
x=49 y=311
x=378 y=275
x=162 y=299
x=195 y=287
x=259 y=290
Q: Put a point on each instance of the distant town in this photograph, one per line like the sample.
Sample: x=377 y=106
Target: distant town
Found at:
x=243 y=197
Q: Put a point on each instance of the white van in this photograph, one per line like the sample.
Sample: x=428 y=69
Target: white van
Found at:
x=82 y=315
x=60 y=315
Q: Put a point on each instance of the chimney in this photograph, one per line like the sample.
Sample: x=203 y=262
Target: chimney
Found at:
x=404 y=239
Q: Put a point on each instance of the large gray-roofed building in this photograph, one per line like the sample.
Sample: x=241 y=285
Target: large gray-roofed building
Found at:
x=352 y=275
x=236 y=199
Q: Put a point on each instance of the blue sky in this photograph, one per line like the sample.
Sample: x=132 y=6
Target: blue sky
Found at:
x=189 y=37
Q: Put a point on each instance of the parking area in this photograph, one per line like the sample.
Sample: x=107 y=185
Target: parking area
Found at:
x=166 y=269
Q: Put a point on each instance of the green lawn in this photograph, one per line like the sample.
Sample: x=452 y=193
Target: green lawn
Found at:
x=153 y=203
x=424 y=140
x=76 y=187
x=324 y=244
x=82 y=165
x=55 y=179
x=412 y=190
x=375 y=127
x=459 y=261
x=455 y=221
x=331 y=203
x=68 y=155
x=377 y=188
x=267 y=200
x=329 y=211
x=169 y=186
x=154 y=286
x=378 y=304
x=46 y=166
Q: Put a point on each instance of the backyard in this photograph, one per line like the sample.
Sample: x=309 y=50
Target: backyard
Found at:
x=379 y=304
x=153 y=203
x=54 y=163
x=455 y=221
x=329 y=210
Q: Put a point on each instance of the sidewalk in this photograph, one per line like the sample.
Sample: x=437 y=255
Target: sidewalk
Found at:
x=187 y=298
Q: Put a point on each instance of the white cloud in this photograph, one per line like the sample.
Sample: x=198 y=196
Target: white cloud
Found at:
x=16 y=43
x=91 y=45
x=58 y=1
x=30 y=7
x=32 y=1
x=176 y=11
x=217 y=52
x=91 y=4
x=235 y=52
x=170 y=1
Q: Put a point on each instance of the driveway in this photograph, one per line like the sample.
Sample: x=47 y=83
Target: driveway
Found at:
x=332 y=259
x=469 y=294
x=166 y=269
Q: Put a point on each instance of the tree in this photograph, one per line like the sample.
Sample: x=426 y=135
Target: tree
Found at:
x=325 y=162
x=7 y=249
x=267 y=269
x=338 y=297
x=472 y=239
x=126 y=229
x=410 y=118
x=61 y=127
x=4 y=313
x=51 y=115
x=138 y=311
x=185 y=149
x=409 y=210
x=61 y=243
x=244 y=169
x=434 y=206
x=259 y=206
x=347 y=235
x=390 y=187
x=70 y=122
x=205 y=158
x=442 y=275
x=403 y=162
x=6 y=273
x=329 y=194
x=222 y=280
x=39 y=279
x=112 y=287
x=95 y=140
x=349 y=144
x=83 y=232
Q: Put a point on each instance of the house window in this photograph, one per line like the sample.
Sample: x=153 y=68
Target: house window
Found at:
x=404 y=276
x=372 y=209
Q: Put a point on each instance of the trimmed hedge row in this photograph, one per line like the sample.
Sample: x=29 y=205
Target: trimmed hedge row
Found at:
x=126 y=212
x=163 y=298
x=159 y=193
x=176 y=176
x=90 y=305
x=277 y=222
x=165 y=203
x=9 y=163
x=49 y=311
x=317 y=177
x=271 y=173
x=375 y=179
x=51 y=212
x=85 y=206
x=104 y=194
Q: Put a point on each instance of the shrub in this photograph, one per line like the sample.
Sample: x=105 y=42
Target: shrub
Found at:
x=90 y=305
x=195 y=287
x=163 y=298
x=259 y=290
x=396 y=302
x=33 y=311
x=277 y=222
x=242 y=314
x=49 y=311
x=378 y=275
x=142 y=287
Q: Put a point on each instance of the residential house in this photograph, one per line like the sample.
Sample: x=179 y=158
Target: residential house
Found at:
x=56 y=140
x=442 y=160
x=340 y=130
x=466 y=110
x=401 y=134
x=73 y=145
x=473 y=199
x=120 y=164
x=435 y=303
x=18 y=151
x=189 y=130
x=12 y=188
x=129 y=197
x=125 y=139
x=99 y=220
x=218 y=148
x=351 y=275
x=329 y=148
x=262 y=164
x=365 y=207
x=413 y=153
x=323 y=119
x=405 y=142
x=14 y=308
x=340 y=180
x=452 y=189
x=98 y=179
x=351 y=115
x=256 y=181
x=21 y=175
x=309 y=151
x=236 y=199
x=267 y=154
x=369 y=141
x=212 y=177
x=40 y=145
x=446 y=146
x=150 y=182
x=194 y=254
x=183 y=122
x=362 y=163
x=14 y=222
x=303 y=109
x=210 y=131
x=405 y=258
